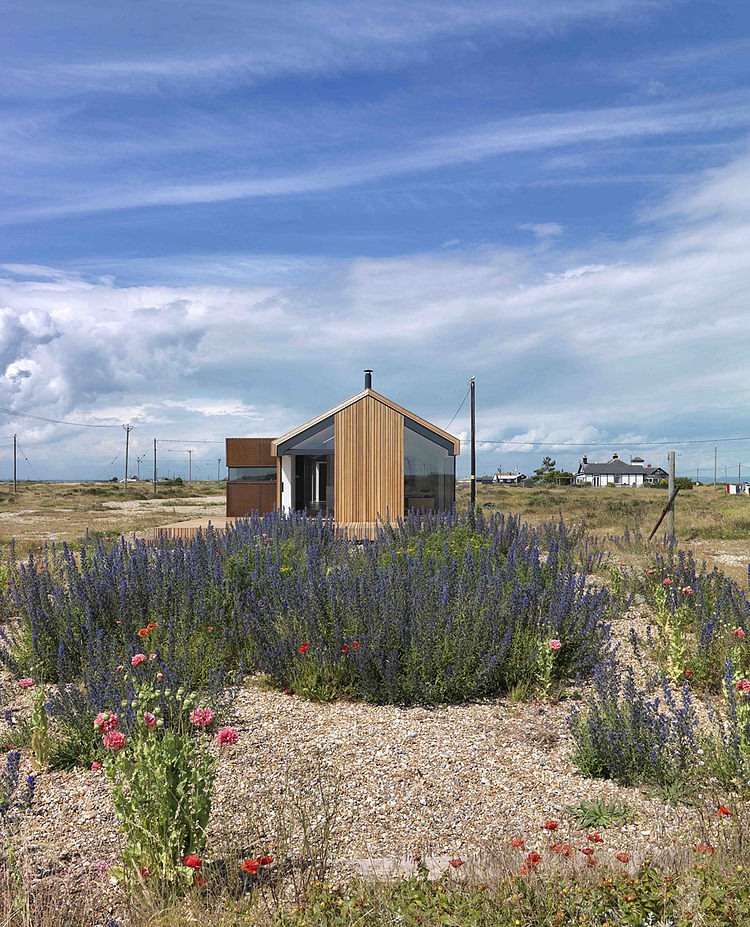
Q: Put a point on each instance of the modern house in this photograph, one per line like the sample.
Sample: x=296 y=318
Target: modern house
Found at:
x=617 y=472
x=363 y=460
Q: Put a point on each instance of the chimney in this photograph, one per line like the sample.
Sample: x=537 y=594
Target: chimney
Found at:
x=368 y=379
x=585 y=459
x=615 y=456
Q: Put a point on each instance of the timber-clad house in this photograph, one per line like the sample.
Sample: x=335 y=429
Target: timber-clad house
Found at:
x=363 y=460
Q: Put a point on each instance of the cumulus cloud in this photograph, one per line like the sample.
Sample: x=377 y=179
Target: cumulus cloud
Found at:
x=635 y=344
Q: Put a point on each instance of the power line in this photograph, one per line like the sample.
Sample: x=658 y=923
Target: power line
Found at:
x=54 y=421
x=178 y=441
x=634 y=441
x=458 y=409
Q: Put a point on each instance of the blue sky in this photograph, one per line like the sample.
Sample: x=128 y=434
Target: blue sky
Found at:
x=215 y=215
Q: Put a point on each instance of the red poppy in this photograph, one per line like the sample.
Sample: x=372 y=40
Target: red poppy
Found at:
x=517 y=842
x=193 y=862
x=704 y=848
x=355 y=645
x=303 y=648
x=532 y=860
x=588 y=851
x=550 y=825
x=596 y=838
x=151 y=625
x=345 y=648
x=456 y=863
x=250 y=865
x=623 y=857
x=265 y=860
x=198 y=879
x=688 y=672
x=723 y=811
x=143 y=632
x=145 y=872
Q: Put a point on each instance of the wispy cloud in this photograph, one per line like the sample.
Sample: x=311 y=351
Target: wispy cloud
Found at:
x=539 y=132
x=291 y=39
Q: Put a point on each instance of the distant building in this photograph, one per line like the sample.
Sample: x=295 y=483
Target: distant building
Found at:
x=509 y=478
x=616 y=472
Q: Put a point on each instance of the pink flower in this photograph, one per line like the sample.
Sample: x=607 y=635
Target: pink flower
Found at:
x=227 y=735
x=666 y=582
x=743 y=685
x=201 y=717
x=152 y=656
x=115 y=740
x=26 y=683
x=96 y=765
x=555 y=644
x=119 y=669
x=149 y=719
x=106 y=721
x=687 y=591
x=138 y=659
x=738 y=632
x=160 y=676
x=650 y=572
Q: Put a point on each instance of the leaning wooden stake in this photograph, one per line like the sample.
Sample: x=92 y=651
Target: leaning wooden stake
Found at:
x=667 y=507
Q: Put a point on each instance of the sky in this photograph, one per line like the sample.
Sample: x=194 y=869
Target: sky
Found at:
x=214 y=216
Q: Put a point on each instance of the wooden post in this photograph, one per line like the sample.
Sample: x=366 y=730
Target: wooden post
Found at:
x=15 y=461
x=473 y=453
x=670 y=517
x=716 y=451
x=154 y=467
x=667 y=508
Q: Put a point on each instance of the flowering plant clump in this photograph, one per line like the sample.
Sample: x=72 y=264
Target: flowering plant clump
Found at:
x=163 y=775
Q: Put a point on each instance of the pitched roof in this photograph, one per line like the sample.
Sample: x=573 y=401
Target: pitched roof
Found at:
x=356 y=398
x=613 y=467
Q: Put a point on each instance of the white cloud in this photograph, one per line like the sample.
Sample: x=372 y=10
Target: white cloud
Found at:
x=645 y=339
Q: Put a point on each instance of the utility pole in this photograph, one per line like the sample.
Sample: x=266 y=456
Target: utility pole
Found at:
x=473 y=450
x=138 y=465
x=670 y=514
x=716 y=451
x=128 y=429
x=218 y=469
x=154 y=467
x=15 y=460
x=190 y=466
x=739 y=472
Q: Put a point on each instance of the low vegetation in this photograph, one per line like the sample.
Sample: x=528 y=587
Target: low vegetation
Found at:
x=131 y=652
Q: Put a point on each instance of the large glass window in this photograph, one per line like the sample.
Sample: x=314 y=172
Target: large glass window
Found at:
x=252 y=474
x=429 y=473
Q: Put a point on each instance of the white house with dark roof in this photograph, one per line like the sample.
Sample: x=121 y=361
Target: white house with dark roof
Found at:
x=616 y=472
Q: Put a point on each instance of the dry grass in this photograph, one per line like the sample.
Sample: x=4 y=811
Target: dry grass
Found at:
x=41 y=513
x=712 y=523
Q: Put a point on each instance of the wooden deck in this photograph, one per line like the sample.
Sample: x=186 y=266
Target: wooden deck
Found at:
x=187 y=530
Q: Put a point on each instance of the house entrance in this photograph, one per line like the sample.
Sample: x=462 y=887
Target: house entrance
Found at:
x=311 y=483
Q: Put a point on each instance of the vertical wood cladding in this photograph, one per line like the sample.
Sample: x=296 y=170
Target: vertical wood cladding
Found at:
x=250 y=452
x=369 y=473
x=244 y=498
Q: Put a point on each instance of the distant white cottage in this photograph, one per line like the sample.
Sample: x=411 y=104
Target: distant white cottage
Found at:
x=509 y=478
x=618 y=473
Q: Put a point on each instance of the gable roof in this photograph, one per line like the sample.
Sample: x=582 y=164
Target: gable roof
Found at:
x=357 y=398
x=613 y=467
